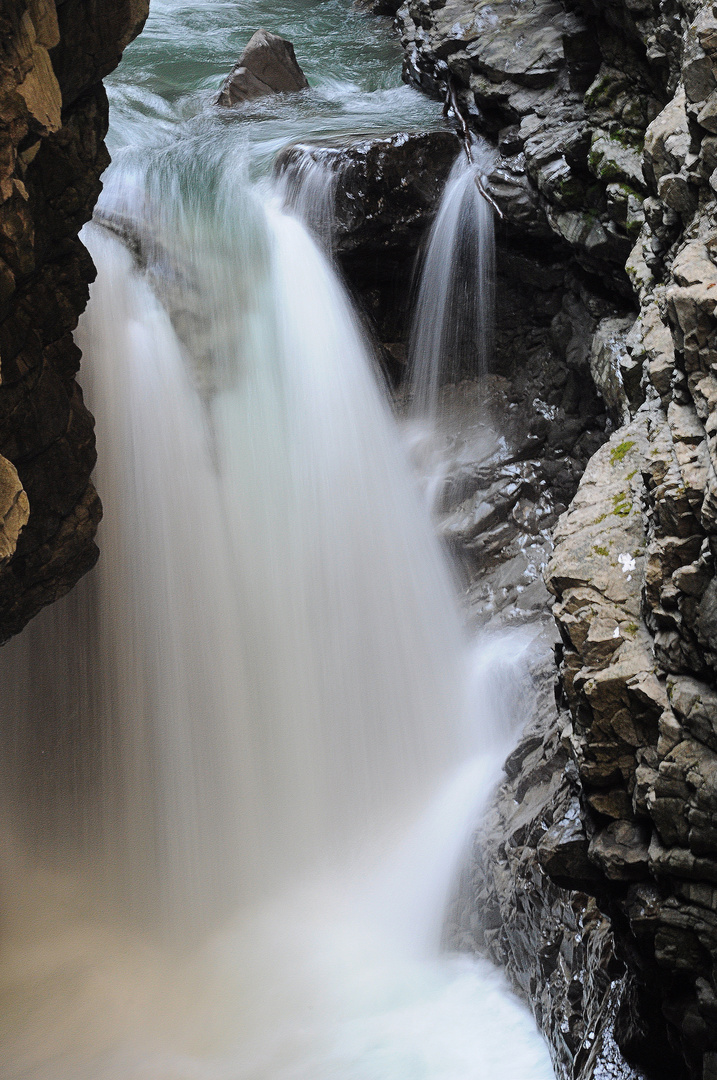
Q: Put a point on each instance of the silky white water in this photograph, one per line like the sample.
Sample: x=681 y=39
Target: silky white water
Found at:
x=307 y=185
x=452 y=327
x=242 y=759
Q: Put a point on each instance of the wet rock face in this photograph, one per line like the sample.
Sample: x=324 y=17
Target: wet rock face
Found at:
x=268 y=65
x=604 y=122
x=555 y=943
x=53 y=118
x=494 y=506
x=567 y=106
x=644 y=712
x=386 y=192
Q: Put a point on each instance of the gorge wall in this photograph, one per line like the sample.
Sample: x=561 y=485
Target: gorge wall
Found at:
x=53 y=120
x=604 y=117
x=596 y=873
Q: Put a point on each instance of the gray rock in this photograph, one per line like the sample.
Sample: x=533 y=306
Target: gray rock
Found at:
x=611 y=365
x=633 y=567
x=621 y=851
x=267 y=65
x=563 y=850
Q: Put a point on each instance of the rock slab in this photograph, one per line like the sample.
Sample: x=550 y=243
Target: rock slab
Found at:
x=268 y=65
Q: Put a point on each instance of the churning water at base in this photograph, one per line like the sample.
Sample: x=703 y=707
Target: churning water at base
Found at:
x=242 y=759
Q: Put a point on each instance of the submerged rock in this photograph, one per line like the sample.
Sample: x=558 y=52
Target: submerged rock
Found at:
x=268 y=65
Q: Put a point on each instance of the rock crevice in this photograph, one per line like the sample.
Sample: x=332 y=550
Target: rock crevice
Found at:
x=603 y=121
x=53 y=119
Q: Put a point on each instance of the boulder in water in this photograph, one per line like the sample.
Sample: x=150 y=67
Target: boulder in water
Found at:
x=268 y=65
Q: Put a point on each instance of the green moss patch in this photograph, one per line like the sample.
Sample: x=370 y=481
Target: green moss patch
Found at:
x=620 y=452
x=622 y=504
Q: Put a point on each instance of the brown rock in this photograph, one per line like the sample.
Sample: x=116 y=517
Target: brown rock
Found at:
x=14 y=510
x=267 y=66
x=53 y=119
x=621 y=851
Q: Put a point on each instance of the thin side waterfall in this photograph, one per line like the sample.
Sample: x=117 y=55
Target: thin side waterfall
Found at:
x=452 y=324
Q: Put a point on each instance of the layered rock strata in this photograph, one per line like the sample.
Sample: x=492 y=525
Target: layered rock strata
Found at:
x=53 y=119
x=603 y=117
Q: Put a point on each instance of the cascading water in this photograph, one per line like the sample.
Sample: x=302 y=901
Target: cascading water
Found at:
x=307 y=186
x=452 y=329
x=244 y=754
x=451 y=333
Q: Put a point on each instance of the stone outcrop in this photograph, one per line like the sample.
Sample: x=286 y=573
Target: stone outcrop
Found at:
x=53 y=118
x=603 y=121
x=384 y=195
x=268 y=65
x=644 y=710
x=568 y=115
x=380 y=7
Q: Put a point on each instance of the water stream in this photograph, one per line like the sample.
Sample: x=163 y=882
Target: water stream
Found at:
x=242 y=759
x=453 y=321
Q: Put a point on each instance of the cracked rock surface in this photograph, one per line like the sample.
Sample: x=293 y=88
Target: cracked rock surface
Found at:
x=53 y=119
x=604 y=122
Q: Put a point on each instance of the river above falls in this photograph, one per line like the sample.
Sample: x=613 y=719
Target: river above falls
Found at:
x=169 y=77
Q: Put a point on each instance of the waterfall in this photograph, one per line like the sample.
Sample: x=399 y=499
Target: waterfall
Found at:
x=306 y=183
x=260 y=686
x=452 y=323
x=270 y=605
x=242 y=759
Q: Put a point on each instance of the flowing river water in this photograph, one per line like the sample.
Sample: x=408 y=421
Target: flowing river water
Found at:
x=242 y=759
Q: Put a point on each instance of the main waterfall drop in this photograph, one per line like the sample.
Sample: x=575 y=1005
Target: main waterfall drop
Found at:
x=243 y=757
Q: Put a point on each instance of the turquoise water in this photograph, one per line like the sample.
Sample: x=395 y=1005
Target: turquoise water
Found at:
x=164 y=88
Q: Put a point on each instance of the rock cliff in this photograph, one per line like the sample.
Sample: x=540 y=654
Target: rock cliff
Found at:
x=604 y=119
x=53 y=119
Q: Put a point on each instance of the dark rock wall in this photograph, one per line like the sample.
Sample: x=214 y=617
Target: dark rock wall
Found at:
x=605 y=119
x=53 y=119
